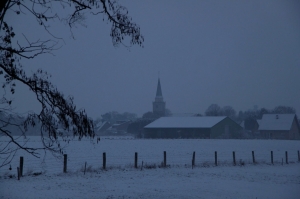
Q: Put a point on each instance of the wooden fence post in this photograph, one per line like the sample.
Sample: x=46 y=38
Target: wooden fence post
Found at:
x=216 y=158
x=135 y=160
x=65 y=163
x=272 y=157
x=21 y=166
x=233 y=155
x=286 y=157
x=165 y=159
x=104 y=160
x=193 y=160
x=142 y=165
x=18 y=171
x=84 y=168
x=253 y=157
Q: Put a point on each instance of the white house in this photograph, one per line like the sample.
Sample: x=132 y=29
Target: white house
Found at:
x=279 y=126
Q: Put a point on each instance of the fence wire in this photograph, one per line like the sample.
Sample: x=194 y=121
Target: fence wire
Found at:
x=179 y=153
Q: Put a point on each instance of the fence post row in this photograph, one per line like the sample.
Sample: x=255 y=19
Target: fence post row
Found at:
x=253 y=157
x=135 y=160
x=65 y=163
x=165 y=159
x=233 y=154
x=21 y=166
x=216 y=158
x=104 y=160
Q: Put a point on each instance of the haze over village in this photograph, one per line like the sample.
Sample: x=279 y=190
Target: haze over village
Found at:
x=149 y=99
x=278 y=123
x=217 y=122
x=241 y=54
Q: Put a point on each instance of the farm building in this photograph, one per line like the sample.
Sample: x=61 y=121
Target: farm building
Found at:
x=102 y=127
x=193 y=127
x=120 y=127
x=279 y=126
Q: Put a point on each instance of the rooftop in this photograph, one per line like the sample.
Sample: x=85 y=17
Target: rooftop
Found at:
x=185 y=122
x=276 y=122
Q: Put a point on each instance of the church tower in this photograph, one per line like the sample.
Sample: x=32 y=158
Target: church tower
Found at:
x=159 y=105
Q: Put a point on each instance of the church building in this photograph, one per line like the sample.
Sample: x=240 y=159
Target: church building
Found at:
x=188 y=127
x=159 y=105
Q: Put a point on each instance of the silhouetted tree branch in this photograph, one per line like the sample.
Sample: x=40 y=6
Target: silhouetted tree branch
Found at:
x=57 y=111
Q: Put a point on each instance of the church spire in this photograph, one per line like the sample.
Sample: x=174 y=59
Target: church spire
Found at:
x=159 y=105
x=158 y=90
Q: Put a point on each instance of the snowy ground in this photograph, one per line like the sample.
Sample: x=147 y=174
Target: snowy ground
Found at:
x=259 y=181
x=121 y=180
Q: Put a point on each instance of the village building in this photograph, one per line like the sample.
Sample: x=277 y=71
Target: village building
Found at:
x=120 y=127
x=102 y=127
x=279 y=126
x=193 y=127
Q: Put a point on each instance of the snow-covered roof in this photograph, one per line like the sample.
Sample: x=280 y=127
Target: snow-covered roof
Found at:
x=183 y=114
x=185 y=122
x=281 y=122
x=100 y=125
x=258 y=122
x=242 y=124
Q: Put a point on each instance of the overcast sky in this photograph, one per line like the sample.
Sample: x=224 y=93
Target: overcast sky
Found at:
x=237 y=53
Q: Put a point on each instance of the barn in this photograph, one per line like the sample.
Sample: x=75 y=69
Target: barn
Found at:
x=193 y=127
x=279 y=126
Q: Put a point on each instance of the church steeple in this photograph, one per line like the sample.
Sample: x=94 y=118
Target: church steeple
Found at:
x=158 y=90
x=159 y=106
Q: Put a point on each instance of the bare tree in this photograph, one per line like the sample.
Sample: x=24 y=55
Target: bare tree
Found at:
x=148 y=115
x=284 y=110
x=229 y=112
x=213 y=110
x=57 y=111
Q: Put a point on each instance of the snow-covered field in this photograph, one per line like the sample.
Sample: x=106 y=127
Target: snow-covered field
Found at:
x=179 y=180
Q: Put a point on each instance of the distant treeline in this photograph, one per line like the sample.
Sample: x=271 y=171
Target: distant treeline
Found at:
x=249 y=118
x=216 y=110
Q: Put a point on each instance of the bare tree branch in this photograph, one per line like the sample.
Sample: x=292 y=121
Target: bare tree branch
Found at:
x=57 y=111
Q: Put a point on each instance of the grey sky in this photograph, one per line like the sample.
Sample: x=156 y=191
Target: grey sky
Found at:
x=238 y=53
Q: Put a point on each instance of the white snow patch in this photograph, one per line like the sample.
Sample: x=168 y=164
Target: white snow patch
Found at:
x=121 y=180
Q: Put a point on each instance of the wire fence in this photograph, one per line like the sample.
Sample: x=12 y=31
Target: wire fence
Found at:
x=157 y=153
